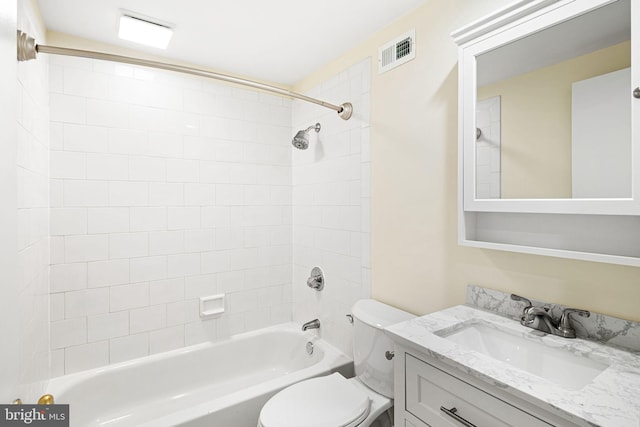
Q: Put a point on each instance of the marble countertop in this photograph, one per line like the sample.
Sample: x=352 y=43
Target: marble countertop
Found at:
x=612 y=399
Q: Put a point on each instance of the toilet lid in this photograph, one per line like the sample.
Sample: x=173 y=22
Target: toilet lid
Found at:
x=330 y=401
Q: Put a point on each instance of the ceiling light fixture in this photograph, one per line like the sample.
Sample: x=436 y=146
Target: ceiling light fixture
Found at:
x=143 y=31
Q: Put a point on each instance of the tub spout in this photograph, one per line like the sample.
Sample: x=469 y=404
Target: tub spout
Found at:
x=313 y=324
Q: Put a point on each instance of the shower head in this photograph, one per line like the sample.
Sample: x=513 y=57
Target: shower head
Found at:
x=301 y=140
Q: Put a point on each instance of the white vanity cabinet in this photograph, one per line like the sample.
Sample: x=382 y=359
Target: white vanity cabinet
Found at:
x=441 y=399
x=429 y=393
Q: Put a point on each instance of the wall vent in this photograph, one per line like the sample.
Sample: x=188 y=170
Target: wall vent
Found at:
x=397 y=51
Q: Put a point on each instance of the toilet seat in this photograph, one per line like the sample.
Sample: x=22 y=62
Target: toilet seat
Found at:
x=329 y=401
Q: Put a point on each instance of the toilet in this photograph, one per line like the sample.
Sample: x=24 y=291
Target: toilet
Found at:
x=335 y=401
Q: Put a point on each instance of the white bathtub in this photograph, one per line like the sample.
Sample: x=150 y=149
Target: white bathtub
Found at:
x=211 y=384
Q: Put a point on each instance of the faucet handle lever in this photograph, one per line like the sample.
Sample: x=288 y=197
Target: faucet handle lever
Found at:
x=522 y=299
x=564 y=319
x=316 y=280
x=528 y=312
x=565 y=328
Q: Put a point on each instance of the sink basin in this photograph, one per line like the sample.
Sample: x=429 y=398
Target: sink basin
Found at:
x=556 y=365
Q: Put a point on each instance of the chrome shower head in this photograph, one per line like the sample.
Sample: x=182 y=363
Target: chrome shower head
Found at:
x=301 y=140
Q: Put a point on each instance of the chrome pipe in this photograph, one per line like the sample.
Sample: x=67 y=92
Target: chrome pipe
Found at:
x=27 y=49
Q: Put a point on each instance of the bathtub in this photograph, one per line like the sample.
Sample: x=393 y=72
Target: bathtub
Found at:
x=210 y=384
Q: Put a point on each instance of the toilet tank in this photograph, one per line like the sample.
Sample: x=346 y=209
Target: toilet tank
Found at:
x=370 y=343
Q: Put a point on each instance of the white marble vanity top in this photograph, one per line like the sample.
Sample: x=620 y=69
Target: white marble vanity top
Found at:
x=612 y=399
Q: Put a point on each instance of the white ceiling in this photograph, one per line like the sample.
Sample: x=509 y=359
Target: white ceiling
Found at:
x=276 y=40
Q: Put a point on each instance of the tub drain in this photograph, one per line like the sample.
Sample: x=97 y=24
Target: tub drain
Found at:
x=310 y=348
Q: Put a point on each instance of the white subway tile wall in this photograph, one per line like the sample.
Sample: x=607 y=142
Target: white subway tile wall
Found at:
x=32 y=165
x=331 y=205
x=163 y=189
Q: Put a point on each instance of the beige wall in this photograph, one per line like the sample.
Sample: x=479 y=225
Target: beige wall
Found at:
x=417 y=264
x=536 y=122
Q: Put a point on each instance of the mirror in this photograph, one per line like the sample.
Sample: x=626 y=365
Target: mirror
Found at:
x=553 y=111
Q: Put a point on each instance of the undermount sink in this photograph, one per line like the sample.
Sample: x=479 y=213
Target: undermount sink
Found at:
x=556 y=365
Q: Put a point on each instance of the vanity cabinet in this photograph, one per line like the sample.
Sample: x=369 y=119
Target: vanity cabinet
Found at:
x=549 y=130
x=429 y=393
x=441 y=399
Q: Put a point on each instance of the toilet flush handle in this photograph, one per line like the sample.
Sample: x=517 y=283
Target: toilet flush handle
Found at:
x=389 y=354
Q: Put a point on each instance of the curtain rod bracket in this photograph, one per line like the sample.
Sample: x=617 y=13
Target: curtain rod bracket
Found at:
x=346 y=110
x=28 y=49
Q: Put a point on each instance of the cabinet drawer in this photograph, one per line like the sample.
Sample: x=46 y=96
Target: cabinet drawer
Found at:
x=428 y=389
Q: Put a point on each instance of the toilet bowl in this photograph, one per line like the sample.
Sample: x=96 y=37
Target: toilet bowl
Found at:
x=335 y=401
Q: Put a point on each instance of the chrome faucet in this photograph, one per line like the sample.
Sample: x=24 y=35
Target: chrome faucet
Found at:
x=313 y=324
x=540 y=319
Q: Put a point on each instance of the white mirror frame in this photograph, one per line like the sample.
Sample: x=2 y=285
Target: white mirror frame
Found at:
x=518 y=20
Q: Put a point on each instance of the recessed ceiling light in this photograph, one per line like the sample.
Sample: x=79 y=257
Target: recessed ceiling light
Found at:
x=145 y=32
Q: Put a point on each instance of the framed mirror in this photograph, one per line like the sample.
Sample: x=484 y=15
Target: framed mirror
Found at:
x=549 y=121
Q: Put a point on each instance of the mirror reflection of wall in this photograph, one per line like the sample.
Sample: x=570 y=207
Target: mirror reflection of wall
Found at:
x=533 y=77
x=601 y=131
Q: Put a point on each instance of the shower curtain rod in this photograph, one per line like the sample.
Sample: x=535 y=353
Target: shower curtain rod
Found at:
x=28 y=49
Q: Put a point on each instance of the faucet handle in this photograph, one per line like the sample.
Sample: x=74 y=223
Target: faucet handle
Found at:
x=521 y=299
x=565 y=323
x=316 y=280
x=564 y=319
x=526 y=318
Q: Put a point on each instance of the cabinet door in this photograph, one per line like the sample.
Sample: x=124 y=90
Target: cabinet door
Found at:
x=442 y=400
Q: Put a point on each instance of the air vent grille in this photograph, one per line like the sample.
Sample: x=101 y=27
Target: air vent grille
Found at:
x=403 y=48
x=388 y=56
x=397 y=52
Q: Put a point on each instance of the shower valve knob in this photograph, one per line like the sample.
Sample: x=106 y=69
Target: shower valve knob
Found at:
x=636 y=93
x=316 y=280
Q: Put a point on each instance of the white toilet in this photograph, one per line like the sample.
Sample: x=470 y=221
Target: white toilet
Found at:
x=333 y=400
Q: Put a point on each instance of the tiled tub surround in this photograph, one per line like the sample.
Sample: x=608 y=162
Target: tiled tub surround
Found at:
x=32 y=168
x=164 y=188
x=610 y=400
x=331 y=206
